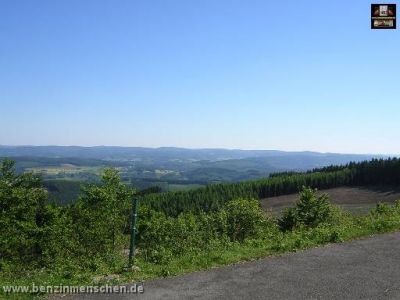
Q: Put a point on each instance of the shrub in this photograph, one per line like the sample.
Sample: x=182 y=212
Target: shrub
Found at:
x=23 y=214
x=161 y=237
x=310 y=211
x=244 y=219
x=397 y=205
x=382 y=209
x=100 y=216
x=158 y=238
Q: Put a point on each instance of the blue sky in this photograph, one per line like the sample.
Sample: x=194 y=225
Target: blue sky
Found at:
x=288 y=75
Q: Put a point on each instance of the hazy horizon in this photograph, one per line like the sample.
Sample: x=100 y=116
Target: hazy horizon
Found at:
x=207 y=74
x=201 y=148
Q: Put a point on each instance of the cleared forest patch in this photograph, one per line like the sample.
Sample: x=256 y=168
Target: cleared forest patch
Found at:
x=358 y=200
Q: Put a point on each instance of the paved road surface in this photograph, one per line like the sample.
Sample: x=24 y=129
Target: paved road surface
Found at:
x=362 y=269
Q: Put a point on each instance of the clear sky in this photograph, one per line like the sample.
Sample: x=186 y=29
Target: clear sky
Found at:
x=287 y=75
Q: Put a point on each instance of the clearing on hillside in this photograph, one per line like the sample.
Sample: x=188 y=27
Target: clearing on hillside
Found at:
x=358 y=200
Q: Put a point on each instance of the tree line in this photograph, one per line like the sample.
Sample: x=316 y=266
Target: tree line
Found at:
x=213 y=197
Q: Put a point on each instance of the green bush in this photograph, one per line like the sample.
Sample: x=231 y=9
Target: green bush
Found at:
x=382 y=209
x=244 y=219
x=161 y=237
x=24 y=217
x=310 y=211
x=384 y=217
x=100 y=217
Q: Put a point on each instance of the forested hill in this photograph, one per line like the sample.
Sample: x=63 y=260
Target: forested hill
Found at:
x=213 y=197
x=65 y=168
x=172 y=153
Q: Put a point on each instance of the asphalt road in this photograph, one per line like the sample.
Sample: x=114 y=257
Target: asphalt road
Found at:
x=361 y=269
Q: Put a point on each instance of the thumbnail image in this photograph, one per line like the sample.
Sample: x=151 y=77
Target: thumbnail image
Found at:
x=383 y=23
x=384 y=11
x=383 y=16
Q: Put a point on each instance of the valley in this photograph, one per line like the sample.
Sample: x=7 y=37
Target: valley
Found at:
x=65 y=168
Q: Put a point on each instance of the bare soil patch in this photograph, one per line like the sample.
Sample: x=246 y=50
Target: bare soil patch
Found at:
x=358 y=200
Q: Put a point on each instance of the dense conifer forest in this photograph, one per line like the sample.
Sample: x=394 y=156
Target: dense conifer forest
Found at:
x=213 y=197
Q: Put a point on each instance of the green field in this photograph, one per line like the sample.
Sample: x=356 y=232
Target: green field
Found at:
x=65 y=170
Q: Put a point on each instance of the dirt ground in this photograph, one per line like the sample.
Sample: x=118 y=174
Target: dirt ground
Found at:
x=358 y=200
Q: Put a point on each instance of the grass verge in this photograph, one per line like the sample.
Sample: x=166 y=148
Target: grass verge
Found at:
x=271 y=241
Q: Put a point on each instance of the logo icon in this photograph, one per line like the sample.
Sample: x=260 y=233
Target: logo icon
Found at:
x=383 y=16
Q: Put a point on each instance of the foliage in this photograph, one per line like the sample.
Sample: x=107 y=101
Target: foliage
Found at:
x=101 y=215
x=382 y=209
x=244 y=219
x=162 y=237
x=310 y=210
x=49 y=244
x=217 y=253
x=151 y=190
x=34 y=233
x=213 y=197
x=23 y=215
x=62 y=192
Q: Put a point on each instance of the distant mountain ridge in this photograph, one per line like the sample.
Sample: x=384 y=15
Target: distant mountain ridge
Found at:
x=171 y=153
x=175 y=164
x=64 y=168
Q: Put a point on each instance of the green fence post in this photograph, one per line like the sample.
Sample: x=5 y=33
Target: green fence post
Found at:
x=135 y=201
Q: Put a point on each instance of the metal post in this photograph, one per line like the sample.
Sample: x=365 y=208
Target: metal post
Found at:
x=135 y=201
